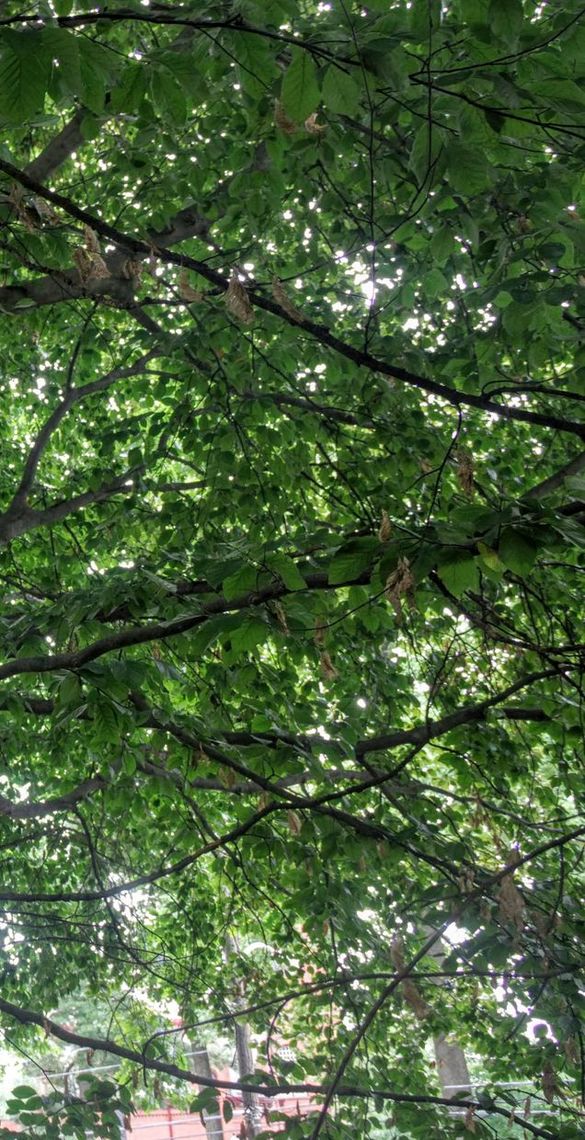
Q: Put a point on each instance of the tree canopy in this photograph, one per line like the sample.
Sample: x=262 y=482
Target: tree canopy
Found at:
x=293 y=505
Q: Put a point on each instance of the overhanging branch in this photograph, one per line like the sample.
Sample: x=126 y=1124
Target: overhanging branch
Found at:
x=320 y=333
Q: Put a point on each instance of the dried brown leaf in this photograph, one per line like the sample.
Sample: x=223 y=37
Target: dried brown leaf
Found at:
x=469 y=1120
x=84 y=264
x=397 y=952
x=319 y=633
x=313 y=127
x=283 y=121
x=409 y=990
x=294 y=822
x=237 y=301
x=400 y=584
x=286 y=305
x=281 y=617
x=549 y=1083
x=327 y=667
x=385 y=531
x=132 y=270
x=47 y=215
x=92 y=244
x=99 y=268
x=186 y=291
x=465 y=472
x=511 y=903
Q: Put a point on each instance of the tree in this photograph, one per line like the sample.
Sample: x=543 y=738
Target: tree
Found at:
x=293 y=502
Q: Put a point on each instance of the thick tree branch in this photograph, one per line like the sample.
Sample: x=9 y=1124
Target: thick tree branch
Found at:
x=72 y=396
x=106 y=1045
x=548 y=486
x=453 y=396
x=469 y=714
x=158 y=631
x=65 y=285
x=59 y=149
x=19 y=520
x=38 y=810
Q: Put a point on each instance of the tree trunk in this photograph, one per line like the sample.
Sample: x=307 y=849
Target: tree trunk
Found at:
x=452 y=1068
x=244 y=1058
x=200 y=1064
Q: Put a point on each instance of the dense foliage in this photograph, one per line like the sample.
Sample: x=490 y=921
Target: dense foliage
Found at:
x=293 y=539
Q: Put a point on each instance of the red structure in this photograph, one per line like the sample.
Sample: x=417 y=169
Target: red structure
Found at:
x=176 y=1124
x=173 y=1124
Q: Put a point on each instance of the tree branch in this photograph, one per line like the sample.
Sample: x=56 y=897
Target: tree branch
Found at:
x=73 y=396
x=106 y=1045
x=453 y=396
x=30 y=810
x=547 y=486
x=59 y=149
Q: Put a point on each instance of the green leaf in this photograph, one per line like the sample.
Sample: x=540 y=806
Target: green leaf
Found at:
x=227 y=1110
x=70 y=692
x=469 y=172
x=506 y=18
x=517 y=551
x=168 y=97
x=62 y=47
x=459 y=574
x=300 y=89
x=23 y=1092
x=24 y=74
x=351 y=561
x=256 y=64
x=489 y=557
x=128 y=94
x=286 y=569
x=248 y=635
x=340 y=92
x=96 y=67
x=242 y=581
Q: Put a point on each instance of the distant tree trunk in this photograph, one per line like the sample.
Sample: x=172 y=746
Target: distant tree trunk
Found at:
x=244 y=1058
x=200 y=1065
x=452 y=1068
x=252 y=1111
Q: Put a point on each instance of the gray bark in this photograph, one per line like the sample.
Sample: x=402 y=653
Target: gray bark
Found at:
x=451 y=1063
x=452 y=1068
x=245 y=1061
x=200 y=1065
